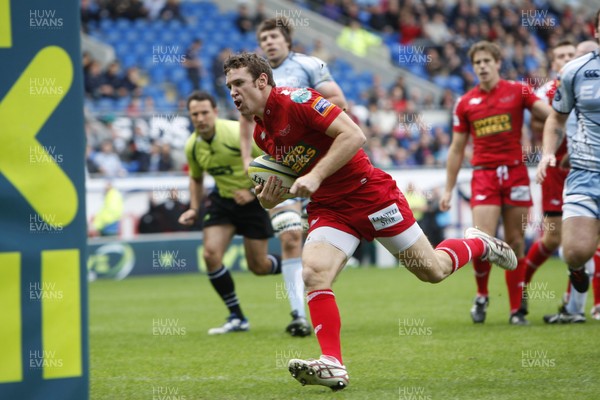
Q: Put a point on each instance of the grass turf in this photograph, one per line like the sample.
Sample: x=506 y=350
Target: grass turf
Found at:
x=402 y=339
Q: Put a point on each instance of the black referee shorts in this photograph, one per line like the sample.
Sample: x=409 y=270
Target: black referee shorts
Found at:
x=250 y=220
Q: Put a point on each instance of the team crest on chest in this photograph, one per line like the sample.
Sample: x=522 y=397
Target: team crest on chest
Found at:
x=300 y=96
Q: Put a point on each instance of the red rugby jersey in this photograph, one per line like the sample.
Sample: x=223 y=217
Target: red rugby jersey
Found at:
x=494 y=120
x=293 y=131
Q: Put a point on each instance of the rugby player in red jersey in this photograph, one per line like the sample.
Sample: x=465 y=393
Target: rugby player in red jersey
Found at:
x=350 y=200
x=492 y=114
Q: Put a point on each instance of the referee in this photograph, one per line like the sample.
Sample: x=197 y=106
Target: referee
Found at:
x=214 y=148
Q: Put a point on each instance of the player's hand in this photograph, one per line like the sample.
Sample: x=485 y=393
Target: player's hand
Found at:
x=243 y=197
x=445 y=201
x=188 y=218
x=271 y=193
x=546 y=161
x=305 y=186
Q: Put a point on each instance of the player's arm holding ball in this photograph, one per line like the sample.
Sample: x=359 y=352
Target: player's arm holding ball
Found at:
x=271 y=193
x=348 y=139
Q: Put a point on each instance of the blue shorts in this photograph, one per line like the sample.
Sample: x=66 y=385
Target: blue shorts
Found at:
x=582 y=194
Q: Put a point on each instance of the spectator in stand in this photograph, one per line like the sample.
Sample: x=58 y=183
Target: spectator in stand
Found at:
x=108 y=162
x=192 y=63
x=171 y=11
x=90 y=165
x=332 y=10
x=94 y=80
x=398 y=98
x=86 y=61
x=130 y=9
x=148 y=105
x=260 y=14
x=436 y=30
x=134 y=108
x=89 y=13
x=320 y=51
x=356 y=39
x=219 y=79
x=434 y=65
x=130 y=83
x=111 y=81
x=409 y=27
x=160 y=158
x=138 y=161
x=377 y=19
x=154 y=7
x=244 y=21
x=166 y=158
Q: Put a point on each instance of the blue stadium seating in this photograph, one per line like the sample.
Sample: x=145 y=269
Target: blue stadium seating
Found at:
x=136 y=42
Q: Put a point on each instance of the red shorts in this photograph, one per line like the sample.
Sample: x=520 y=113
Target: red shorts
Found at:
x=501 y=186
x=552 y=190
x=376 y=209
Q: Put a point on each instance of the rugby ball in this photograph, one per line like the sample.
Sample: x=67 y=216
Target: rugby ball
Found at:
x=261 y=168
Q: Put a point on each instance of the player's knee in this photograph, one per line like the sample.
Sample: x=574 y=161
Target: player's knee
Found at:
x=517 y=244
x=576 y=254
x=291 y=242
x=213 y=259
x=315 y=276
x=551 y=241
x=259 y=266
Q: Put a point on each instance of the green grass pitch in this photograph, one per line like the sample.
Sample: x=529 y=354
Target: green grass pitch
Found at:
x=402 y=339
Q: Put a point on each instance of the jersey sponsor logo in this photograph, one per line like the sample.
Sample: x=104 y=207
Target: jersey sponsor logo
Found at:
x=297 y=157
x=520 y=193
x=591 y=74
x=300 y=95
x=387 y=217
x=322 y=106
x=492 y=125
x=475 y=100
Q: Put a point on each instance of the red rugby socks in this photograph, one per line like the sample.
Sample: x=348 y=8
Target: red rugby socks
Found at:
x=325 y=318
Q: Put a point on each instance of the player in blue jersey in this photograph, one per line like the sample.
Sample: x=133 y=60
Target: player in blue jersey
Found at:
x=290 y=69
x=579 y=90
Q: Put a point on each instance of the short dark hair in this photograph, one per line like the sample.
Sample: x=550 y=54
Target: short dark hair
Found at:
x=281 y=23
x=256 y=65
x=484 y=45
x=199 y=95
x=562 y=43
